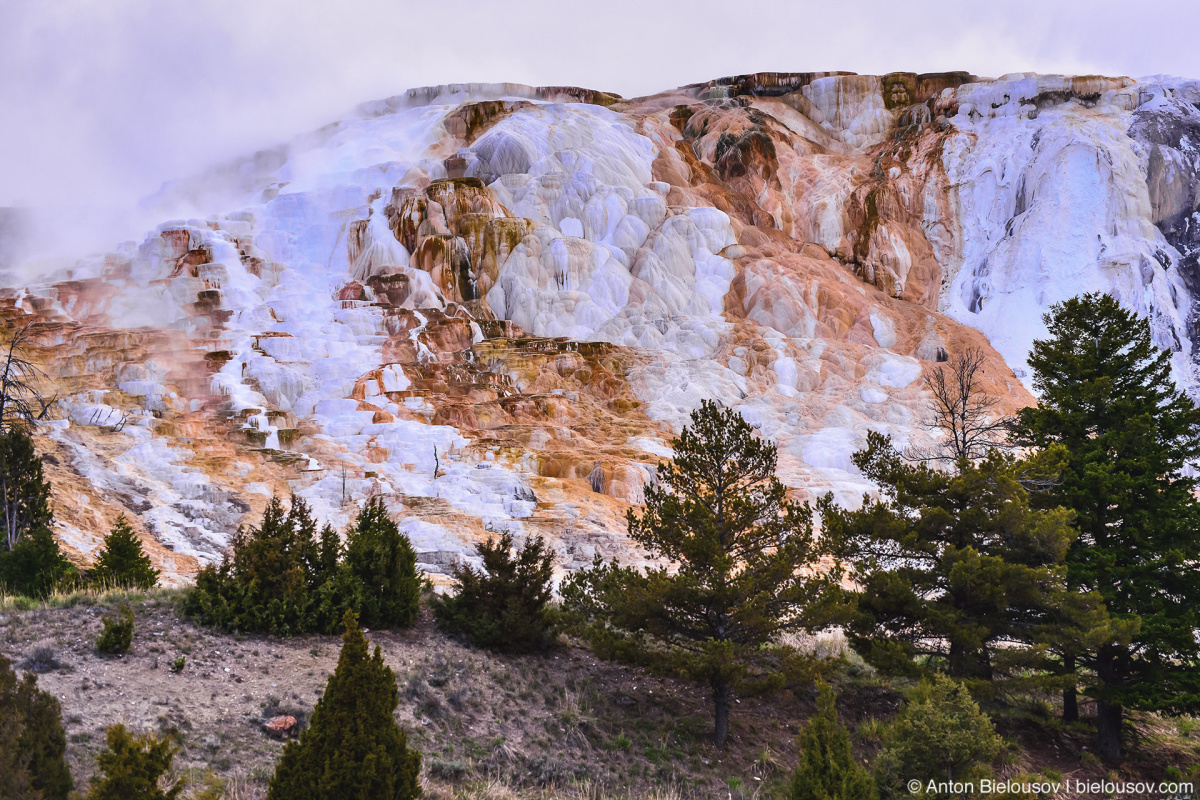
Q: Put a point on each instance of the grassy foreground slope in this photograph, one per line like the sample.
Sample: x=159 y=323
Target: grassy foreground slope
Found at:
x=560 y=725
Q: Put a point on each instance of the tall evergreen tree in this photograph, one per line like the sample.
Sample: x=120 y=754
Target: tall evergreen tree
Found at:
x=262 y=584
x=353 y=750
x=506 y=606
x=122 y=562
x=736 y=546
x=330 y=590
x=951 y=564
x=132 y=767
x=37 y=733
x=383 y=564
x=24 y=490
x=1106 y=395
x=31 y=561
x=827 y=769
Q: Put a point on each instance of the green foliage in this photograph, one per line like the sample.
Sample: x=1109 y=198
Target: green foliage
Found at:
x=939 y=735
x=1107 y=399
x=353 y=747
x=263 y=585
x=827 y=769
x=284 y=578
x=122 y=563
x=36 y=566
x=31 y=725
x=178 y=664
x=382 y=568
x=15 y=780
x=117 y=633
x=31 y=562
x=953 y=563
x=24 y=491
x=132 y=767
x=722 y=518
x=506 y=606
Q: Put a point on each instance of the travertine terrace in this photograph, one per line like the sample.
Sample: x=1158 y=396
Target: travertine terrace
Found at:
x=494 y=304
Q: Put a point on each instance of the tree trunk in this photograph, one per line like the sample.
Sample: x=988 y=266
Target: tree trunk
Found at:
x=1108 y=734
x=966 y=663
x=1070 y=700
x=722 y=695
x=1108 y=714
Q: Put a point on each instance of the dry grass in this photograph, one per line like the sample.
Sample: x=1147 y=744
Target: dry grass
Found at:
x=560 y=726
x=87 y=595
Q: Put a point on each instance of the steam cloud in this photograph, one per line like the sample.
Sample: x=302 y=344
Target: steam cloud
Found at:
x=101 y=102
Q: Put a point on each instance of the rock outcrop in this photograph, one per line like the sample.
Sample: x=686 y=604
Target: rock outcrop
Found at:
x=494 y=305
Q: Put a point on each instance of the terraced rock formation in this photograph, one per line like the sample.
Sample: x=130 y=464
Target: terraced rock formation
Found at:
x=495 y=304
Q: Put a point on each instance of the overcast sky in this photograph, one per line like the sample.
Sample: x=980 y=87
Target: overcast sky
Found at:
x=102 y=100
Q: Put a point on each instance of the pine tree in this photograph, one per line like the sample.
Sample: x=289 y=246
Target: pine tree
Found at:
x=353 y=747
x=132 y=767
x=721 y=517
x=36 y=566
x=32 y=724
x=122 y=562
x=939 y=735
x=506 y=606
x=15 y=781
x=330 y=589
x=263 y=584
x=1106 y=395
x=827 y=769
x=24 y=491
x=383 y=568
x=950 y=563
x=31 y=562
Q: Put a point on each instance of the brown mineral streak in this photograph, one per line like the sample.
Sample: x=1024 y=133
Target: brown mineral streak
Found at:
x=824 y=227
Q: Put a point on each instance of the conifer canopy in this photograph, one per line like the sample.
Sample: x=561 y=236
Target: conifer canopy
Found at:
x=506 y=605
x=827 y=769
x=1107 y=398
x=31 y=725
x=353 y=750
x=123 y=562
x=738 y=549
x=132 y=767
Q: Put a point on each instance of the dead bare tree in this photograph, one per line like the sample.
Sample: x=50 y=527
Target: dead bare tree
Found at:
x=21 y=402
x=963 y=412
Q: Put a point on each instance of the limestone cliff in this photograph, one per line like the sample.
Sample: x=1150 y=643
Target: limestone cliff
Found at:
x=494 y=304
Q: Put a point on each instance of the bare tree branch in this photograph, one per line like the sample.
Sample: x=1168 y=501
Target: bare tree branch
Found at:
x=964 y=413
x=21 y=401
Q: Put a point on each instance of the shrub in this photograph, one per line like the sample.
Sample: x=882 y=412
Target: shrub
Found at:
x=123 y=562
x=381 y=570
x=263 y=583
x=284 y=578
x=33 y=743
x=15 y=781
x=42 y=659
x=117 y=635
x=353 y=746
x=178 y=664
x=940 y=735
x=506 y=606
x=132 y=768
x=35 y=566
x=827 y=769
